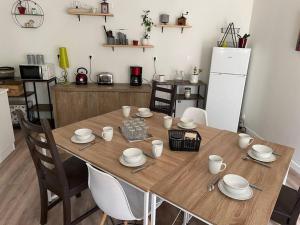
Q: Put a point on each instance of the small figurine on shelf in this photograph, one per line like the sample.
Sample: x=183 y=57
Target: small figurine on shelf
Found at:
x=33 y=11
x=182 y=20
x=104 y=7
x=29 y=24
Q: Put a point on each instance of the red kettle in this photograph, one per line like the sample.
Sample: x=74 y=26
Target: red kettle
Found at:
x=81 y=77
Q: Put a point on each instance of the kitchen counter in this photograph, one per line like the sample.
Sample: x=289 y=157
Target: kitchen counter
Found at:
x=73 y=103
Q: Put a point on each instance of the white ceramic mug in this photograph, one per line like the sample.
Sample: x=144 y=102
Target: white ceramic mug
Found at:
x=108 y=133
x=215 y=164
x=126 y=111
x=245 y=140
x=168 y=121
x=161 y=78
x=157 y=148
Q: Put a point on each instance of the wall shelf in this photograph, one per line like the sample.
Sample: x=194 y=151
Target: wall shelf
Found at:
x=85 y=12
x=128 y=46
x=162 y=26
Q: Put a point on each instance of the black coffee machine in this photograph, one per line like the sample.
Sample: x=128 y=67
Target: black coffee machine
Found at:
x=136 y=78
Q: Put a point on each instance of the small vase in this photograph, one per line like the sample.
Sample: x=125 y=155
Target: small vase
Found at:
x=145 y=41
x=22 y=10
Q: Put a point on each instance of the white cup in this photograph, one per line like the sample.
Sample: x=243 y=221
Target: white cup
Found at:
x=126 y=111
x=157 y=148
x=168 y=120
x=215 y=164
x=245 y=140
x=108 y=133
x=161 y=78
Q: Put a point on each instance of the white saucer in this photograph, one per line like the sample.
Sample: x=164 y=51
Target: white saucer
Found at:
x=145 y=116
x=272 y=158
x=240 y=197
x=76 y=141
x=140 y=163
x=180 y=124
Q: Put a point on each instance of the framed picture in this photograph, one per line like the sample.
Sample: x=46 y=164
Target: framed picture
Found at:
x=298 y=43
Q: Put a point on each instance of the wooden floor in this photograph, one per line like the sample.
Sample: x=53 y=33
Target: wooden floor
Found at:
x=19 y=195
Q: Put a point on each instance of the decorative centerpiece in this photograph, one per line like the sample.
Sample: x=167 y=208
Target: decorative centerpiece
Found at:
x=147 y=24
x=64 y=64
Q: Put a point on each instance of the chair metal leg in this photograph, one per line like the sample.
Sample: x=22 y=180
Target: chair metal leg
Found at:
x=67 y=211
x=102 y=219
x=44 y=205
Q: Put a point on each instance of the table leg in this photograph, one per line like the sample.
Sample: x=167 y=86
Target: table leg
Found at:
x=153 y=209
x=286 y=175
x=146 y=207
x=185 y=218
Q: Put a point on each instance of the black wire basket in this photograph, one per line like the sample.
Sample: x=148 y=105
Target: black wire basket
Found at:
x=178 y=142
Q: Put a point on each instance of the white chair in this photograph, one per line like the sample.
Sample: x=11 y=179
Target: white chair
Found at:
x=116 y=198
x=196 y=114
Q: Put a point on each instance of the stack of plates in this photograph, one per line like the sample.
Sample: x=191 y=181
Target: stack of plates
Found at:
x=235 y=187
x=262 y=153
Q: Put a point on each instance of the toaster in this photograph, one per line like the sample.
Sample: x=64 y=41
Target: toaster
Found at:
x=105 y=79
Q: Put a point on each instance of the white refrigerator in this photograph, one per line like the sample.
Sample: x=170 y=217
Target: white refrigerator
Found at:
x=228 y=74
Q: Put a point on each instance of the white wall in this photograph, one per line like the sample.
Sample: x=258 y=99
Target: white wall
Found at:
x=271 y=104
x=175 y=51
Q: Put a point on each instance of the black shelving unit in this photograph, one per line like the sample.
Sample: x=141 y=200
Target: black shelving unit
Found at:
x=199 y=96
x=37 y=108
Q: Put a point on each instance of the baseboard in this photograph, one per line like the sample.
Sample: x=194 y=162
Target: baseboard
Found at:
x=295 y=166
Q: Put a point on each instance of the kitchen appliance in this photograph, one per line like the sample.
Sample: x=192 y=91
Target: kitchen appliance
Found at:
x=7 y=72
x=136 y=75
x=39 y=72
x=81 y=77
x=228 y=73
x=105 y=78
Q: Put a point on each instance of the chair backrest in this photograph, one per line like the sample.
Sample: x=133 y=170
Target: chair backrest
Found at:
x=162 y=98
x=109 y=195
x=48 y=166
x=196 y=114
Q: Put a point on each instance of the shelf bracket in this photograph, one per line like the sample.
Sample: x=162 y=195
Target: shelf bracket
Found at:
x=182 y=30
x=78 y=17
x=113 y=49
x=143 y=49
x=105 y=18
x=162 y=29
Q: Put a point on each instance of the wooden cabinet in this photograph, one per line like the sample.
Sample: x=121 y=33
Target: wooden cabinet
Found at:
x=75 y=103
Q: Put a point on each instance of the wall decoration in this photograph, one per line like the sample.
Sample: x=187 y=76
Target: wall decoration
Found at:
x=298 y=43
x=104 y=7
x=27 y=14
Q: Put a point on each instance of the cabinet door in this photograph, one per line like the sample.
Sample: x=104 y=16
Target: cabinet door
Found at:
x=103 y=102
x=135 y=99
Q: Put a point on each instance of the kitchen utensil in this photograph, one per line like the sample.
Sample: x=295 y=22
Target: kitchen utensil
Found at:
x=157 y=148
x=7 y=72
x=149 y=155
x=76 y=141
x=81 y=77
x=255 y=187
x=168 y=120
x=107 y=133
x=164 y=18
x=235 y=184
x=132 y=155
x=126 y=111
x=262 y=151
x=272 y=157
x=87 y=146
x=83 y=134
x=136 y=75
x=138 y=164
x=105 y=78
x=258 y=162
x=241 y=197
x=142 y=168
x=213 y=182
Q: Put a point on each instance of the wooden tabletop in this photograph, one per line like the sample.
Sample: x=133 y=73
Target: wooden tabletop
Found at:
x=187 y=186
x=105 y=155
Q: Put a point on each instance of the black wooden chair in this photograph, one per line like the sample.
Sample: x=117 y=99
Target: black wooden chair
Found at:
x=287 y=208
x=65 y=179
x=162 y=98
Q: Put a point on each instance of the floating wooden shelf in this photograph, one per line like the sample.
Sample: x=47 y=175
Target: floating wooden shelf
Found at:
x=86 y=12
x=128 y=46
x=182 y=27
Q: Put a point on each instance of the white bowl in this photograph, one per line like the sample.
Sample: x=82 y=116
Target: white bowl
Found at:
x=132 y=155
x=187 y=122
x=144 y=111
x=83 y=134
x=262 y=151
x=235 y=184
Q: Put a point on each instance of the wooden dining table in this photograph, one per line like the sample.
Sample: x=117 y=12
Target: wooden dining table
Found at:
x=105 y=155
x=186 y=187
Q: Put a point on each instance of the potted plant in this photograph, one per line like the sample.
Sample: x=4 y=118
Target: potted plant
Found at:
x=147 y=23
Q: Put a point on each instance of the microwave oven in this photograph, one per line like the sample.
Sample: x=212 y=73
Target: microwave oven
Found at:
x=40 y=72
